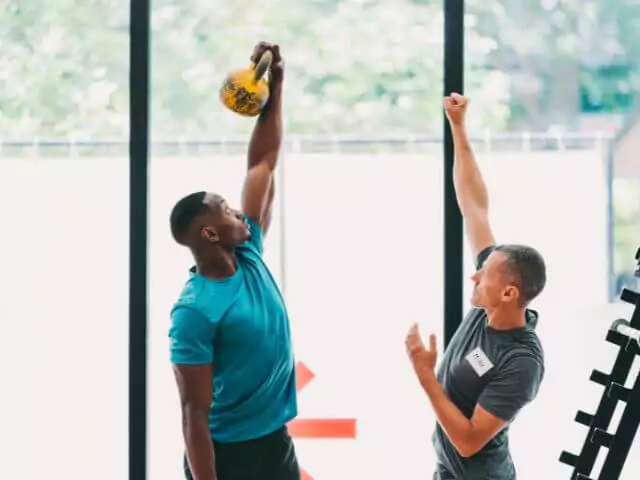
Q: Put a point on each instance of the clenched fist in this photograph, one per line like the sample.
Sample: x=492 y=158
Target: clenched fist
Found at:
x=455 y=106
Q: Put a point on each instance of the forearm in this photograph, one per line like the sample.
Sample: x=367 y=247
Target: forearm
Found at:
x=266 y=139
x=471 y=189
x=457 y=427
x=198 y=444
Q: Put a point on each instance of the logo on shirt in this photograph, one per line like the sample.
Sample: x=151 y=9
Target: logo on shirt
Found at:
x=479 y=361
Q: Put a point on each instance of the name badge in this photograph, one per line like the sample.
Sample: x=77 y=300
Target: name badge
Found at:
x=479 y=361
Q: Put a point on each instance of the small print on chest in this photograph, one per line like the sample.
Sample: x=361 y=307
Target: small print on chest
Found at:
x=479 y=361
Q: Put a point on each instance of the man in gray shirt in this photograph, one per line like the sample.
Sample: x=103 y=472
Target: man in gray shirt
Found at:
x=494 y=364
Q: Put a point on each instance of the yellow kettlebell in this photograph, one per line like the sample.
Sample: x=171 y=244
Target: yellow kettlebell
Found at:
x=246 y=91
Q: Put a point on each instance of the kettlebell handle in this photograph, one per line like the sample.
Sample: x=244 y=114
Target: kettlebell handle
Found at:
x=263 y=65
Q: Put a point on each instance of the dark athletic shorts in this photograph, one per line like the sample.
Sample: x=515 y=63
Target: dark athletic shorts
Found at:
x=271 y=457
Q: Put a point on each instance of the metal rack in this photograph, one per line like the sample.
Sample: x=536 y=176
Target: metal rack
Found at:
x=626 y=335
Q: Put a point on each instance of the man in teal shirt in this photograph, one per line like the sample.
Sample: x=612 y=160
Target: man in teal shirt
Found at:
x=230 y=336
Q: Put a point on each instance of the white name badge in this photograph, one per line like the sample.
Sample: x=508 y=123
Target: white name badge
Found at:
x=479 y=361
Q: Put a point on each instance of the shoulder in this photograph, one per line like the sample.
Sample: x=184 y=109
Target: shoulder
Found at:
x=190 y=292
x=529 y=341
x=207 y=299
x=525 y=343
x=526 y=360
x=515 y=381
x=187 y=308
x=186 y=316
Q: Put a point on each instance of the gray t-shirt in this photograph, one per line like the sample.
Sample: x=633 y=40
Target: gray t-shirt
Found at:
x=500 y=370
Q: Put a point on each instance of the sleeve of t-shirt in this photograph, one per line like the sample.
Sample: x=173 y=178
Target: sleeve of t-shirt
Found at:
x=483 y=255
x=191 y=337
x=512 y=388
x=256 y=240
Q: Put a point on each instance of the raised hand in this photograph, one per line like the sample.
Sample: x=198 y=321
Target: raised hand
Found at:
x=421 y=357
x=455 y=106
x=277 y=65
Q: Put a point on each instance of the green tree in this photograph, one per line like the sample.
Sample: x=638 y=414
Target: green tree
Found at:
x=63 y=68
x=354 y=66
x=552 y=50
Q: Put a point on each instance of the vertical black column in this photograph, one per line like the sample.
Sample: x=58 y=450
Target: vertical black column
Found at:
x=138 y=184
x=453 y=232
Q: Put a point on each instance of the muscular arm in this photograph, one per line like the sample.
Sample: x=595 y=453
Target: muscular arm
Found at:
x=192 y=355
x=471 y=191
x=503 y=397
x=468 y=436
x=264 y=150
x=195 y=384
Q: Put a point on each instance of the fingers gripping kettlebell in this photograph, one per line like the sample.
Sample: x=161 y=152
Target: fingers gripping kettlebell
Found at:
x=262 y=66
x=246 y=91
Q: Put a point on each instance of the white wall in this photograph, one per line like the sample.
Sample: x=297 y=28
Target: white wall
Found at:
x=363 y=261
x=63 y=312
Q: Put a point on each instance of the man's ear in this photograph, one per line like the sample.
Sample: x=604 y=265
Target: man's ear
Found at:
x=511 y=293
x=209 y=235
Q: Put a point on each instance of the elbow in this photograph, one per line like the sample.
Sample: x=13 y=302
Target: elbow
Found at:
x=269 y=159
x=466 y=452
x=272 y=158
x=467 y=448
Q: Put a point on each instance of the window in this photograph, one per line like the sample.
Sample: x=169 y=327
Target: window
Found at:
x=357 y=241
x=63 y=204
x=544 y=142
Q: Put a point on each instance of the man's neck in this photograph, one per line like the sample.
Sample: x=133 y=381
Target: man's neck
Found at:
x=507 y=319
x=219 y=264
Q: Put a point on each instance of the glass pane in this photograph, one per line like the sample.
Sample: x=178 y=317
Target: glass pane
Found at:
x=64 y=206
x=356 y=246
x=364 y=261
x=552 y=84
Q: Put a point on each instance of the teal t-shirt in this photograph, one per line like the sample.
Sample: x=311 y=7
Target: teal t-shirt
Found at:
x=240 y=325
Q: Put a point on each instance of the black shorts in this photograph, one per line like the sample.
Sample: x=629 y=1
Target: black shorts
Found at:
x=272 y=457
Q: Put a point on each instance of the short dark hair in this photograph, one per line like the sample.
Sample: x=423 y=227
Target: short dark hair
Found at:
x=527 y=267
x=184 y=213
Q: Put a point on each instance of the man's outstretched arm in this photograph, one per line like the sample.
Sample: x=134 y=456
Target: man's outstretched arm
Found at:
x=470 y=187
x=264 y=148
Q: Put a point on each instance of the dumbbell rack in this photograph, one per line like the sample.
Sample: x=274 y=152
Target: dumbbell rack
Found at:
x=626 y=336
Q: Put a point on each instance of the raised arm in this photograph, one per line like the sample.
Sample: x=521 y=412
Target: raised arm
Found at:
x=264 y=148
x=471 y=190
